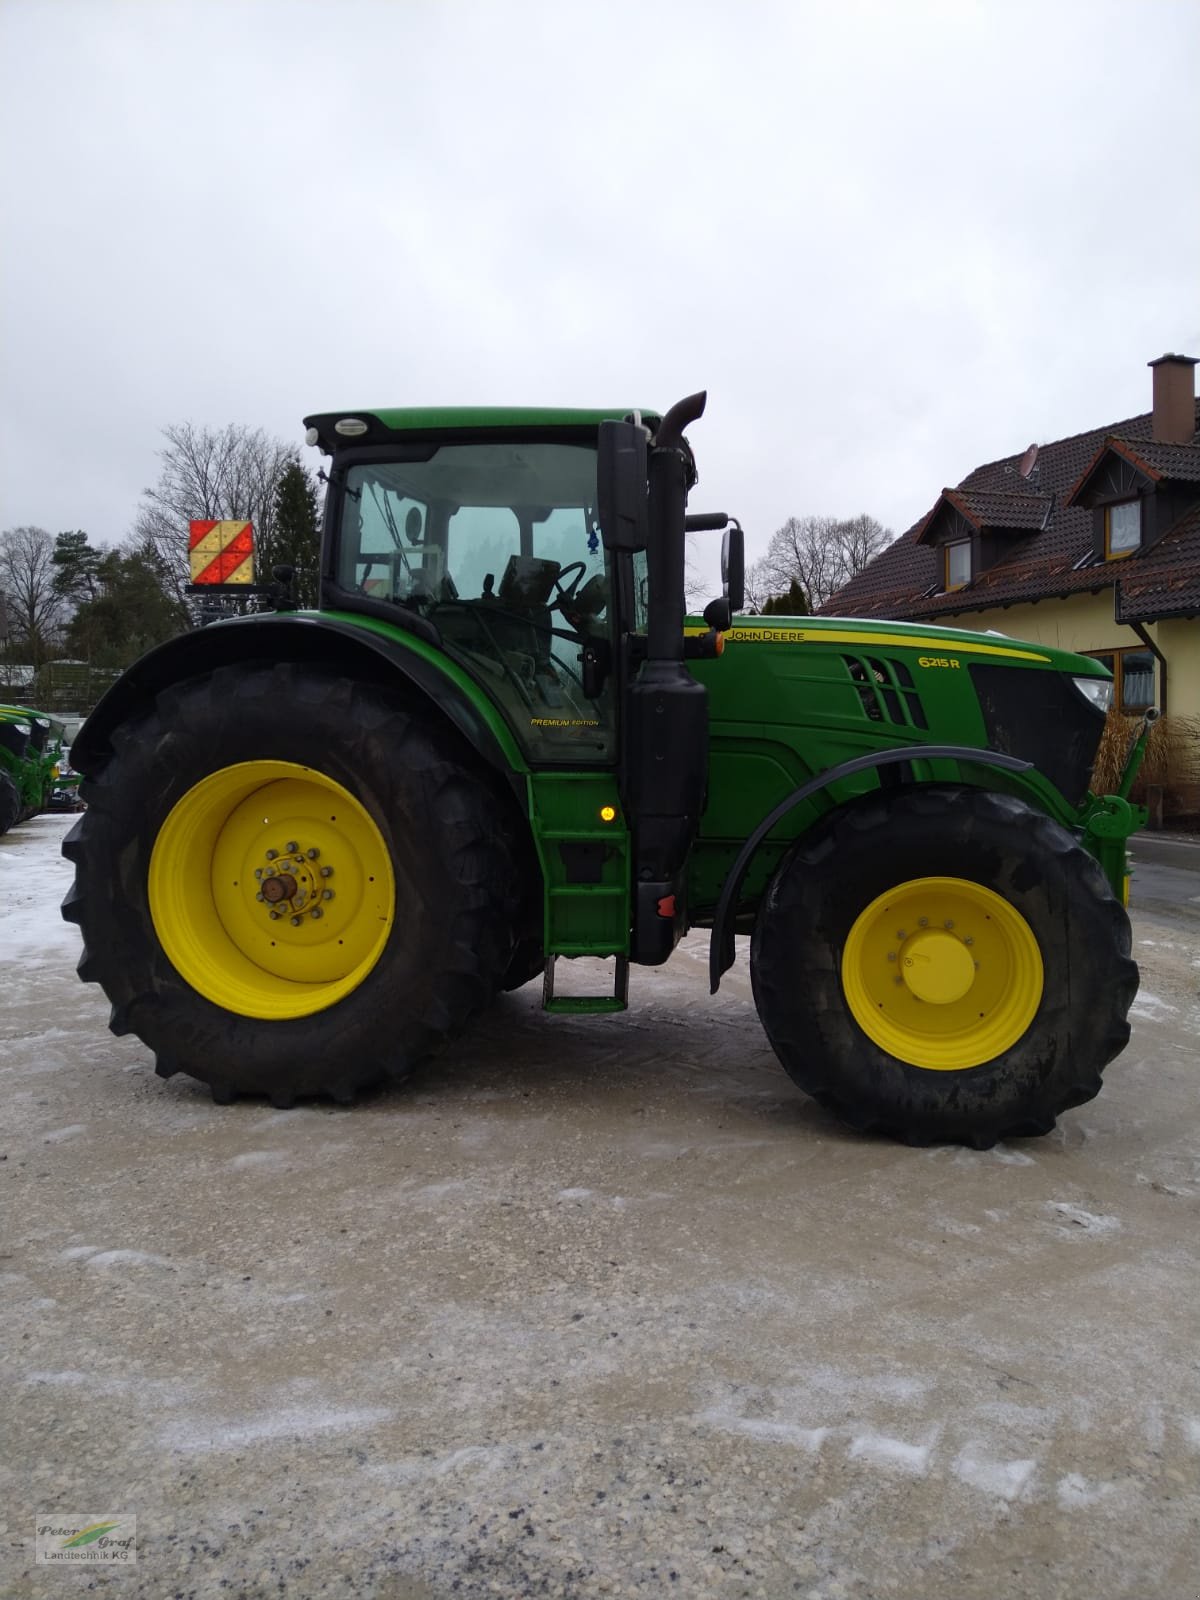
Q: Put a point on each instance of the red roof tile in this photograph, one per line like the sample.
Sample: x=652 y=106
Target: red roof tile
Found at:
x=1177 y=461
x=1165 y=583
x=905 y=581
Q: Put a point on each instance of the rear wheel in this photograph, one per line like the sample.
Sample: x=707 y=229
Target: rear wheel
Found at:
x=291 y=884
x=947 y=965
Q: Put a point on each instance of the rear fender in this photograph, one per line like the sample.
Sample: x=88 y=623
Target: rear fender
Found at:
x=364 y=652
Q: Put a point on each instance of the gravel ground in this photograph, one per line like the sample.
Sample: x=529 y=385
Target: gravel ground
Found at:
x=593 y=1307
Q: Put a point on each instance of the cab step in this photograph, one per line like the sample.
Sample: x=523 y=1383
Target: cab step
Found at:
x=586 y=1004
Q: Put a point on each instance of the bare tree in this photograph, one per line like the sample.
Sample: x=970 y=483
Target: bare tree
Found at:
x=27 y=574
x=818 y=553
x=208 y=475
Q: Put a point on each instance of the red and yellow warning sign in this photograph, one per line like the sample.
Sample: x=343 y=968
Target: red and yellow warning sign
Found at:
x=221 y=552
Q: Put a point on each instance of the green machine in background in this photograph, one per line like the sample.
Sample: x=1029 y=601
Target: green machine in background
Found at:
x=20 y=770
x=31 y=751
x=319 y=842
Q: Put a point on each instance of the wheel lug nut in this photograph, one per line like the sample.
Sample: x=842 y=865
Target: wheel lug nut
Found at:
x=295 y=922
x=312 y=854
x=326 y=894
x=891 y=953
x=922 y=922
x=902 y=934
x=274 y=916
x=949 y=924
x=968 y=941
x=260 y=895
x=315 y=913
x=271 y=854
x=258 y=872
x=327 y=872
x=291 y=847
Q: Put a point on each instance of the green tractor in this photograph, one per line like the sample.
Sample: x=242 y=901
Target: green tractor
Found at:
x=49 y=741
x=318 y=843
x=17 y=769
x=28 y=752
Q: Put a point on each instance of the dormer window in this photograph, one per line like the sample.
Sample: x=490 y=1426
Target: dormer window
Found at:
x=1122 y=529
x=957 y=557
x=1136 y=491
x=974 y=530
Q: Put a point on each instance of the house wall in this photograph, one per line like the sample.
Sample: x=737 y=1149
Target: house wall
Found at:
x=1084 y=622
x=1180 y=643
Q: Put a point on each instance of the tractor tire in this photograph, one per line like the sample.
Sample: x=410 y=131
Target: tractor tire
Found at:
x=291 y=884
x=528 y=962
x=10 y=803
x=943 y=965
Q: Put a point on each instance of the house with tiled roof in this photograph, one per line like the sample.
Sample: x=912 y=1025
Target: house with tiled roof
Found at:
x=1091 y=543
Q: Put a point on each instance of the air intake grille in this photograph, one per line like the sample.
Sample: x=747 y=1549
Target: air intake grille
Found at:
x=1043 y=718
x=886 y=691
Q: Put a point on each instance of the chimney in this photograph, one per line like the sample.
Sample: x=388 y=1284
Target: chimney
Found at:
x=1174 y=399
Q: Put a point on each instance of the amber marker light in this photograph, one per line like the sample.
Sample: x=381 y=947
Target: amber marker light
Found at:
x=608 y=813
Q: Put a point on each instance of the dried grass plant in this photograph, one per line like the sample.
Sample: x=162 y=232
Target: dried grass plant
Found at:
x=1172 y=753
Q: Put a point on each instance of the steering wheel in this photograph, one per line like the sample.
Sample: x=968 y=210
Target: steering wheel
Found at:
x=566 y=593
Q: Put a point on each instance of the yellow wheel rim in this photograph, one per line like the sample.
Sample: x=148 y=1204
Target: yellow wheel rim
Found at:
x=942 y=973
x=271 y=890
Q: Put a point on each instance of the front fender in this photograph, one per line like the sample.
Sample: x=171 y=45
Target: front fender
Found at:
x=721 y=946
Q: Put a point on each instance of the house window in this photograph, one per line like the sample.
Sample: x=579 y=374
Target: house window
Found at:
x=1133 y=678
x=958 y=564
x=1122 y=529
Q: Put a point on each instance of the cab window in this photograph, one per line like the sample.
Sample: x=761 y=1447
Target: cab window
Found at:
x=497 y=545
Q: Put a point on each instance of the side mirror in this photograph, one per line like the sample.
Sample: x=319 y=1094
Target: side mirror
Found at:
x=621 y=486
x=733 y=567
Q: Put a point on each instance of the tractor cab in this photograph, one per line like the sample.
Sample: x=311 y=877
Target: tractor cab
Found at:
x=544 y=554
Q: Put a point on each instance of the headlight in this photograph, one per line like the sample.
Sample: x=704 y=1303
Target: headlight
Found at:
x=1097 y=690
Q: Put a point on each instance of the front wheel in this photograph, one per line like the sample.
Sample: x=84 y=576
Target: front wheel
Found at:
x=945 y=965
x=291 y=884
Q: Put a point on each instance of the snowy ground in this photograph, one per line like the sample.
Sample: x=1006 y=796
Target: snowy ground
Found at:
x=594 y=1307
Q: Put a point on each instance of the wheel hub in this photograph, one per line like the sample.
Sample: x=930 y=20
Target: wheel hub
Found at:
x=937 y=967
x=294 y=882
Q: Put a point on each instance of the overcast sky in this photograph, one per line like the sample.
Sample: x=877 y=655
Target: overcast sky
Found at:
x=892 y=241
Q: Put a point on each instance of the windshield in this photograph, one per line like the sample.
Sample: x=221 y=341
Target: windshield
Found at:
x=498 y=546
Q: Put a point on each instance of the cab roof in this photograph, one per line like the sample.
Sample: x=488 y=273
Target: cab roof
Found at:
x=456 y=421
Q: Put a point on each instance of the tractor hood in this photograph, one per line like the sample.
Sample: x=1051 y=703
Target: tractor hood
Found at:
x=832 y=686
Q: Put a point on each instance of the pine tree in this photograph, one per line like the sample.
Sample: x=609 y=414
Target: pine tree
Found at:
x=130 y=613
x=295 y=539
x=77 y=567
x=792 y=604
